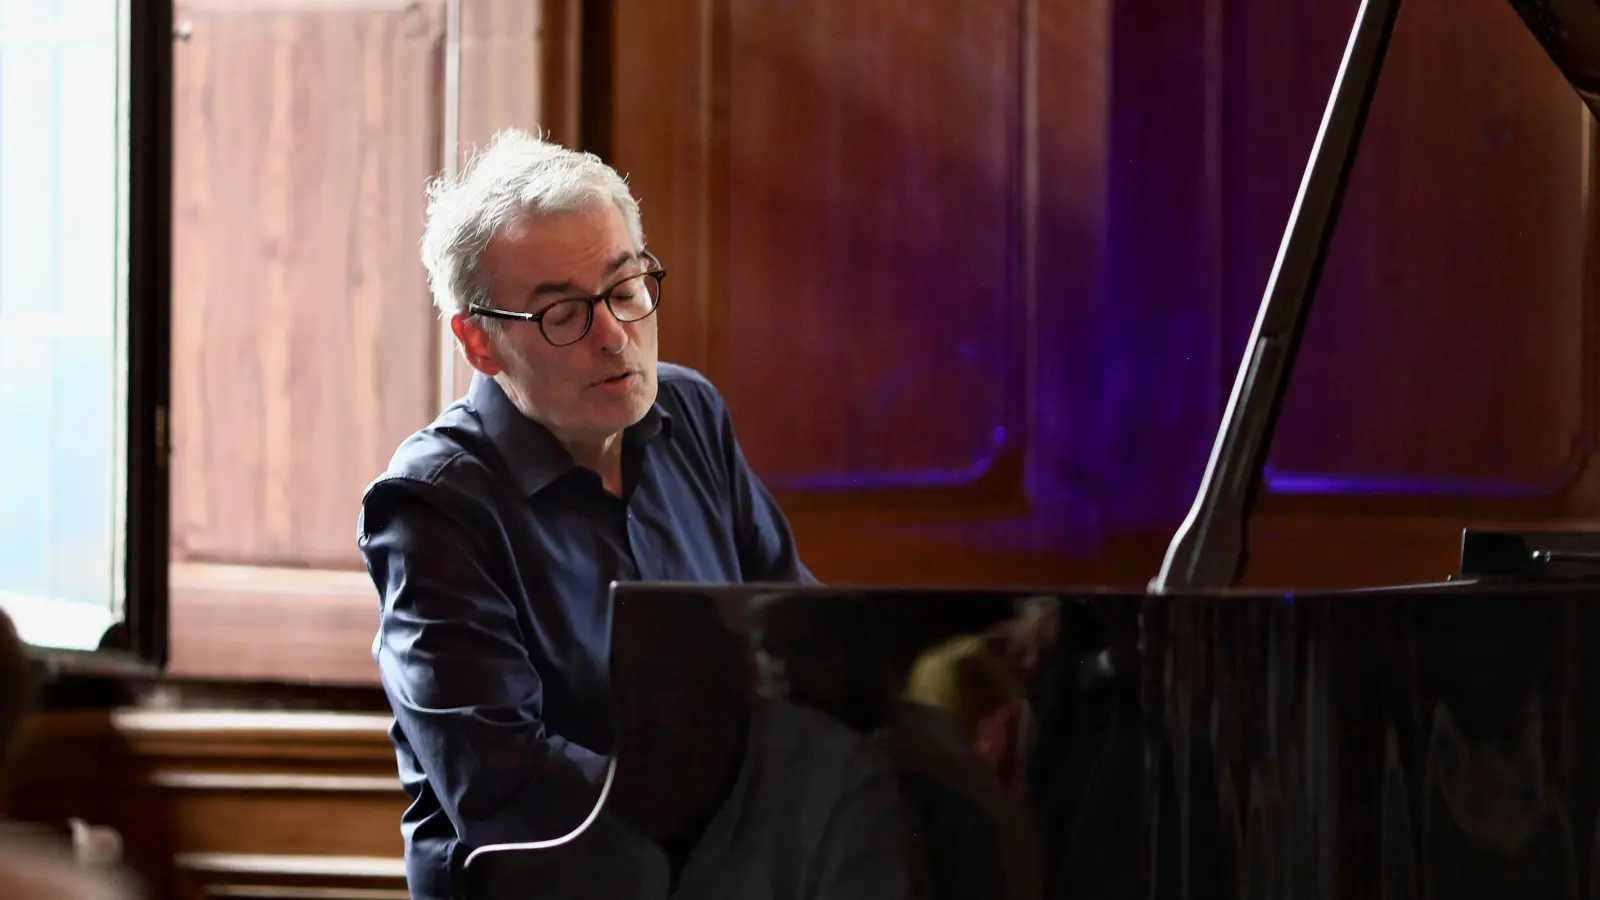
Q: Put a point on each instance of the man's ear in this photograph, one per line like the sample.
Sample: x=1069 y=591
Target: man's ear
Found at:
x=475 y=344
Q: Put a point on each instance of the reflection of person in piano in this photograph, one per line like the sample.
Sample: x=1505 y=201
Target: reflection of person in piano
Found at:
x=970 y=838
x=981 y=682
x=746 y=797
x=574 y=460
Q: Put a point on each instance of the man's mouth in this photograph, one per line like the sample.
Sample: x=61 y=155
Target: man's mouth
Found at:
x=618 y=378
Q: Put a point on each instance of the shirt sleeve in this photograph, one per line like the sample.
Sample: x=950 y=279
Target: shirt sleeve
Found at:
x=863 y=853
x=767 y=550
x=463 y=690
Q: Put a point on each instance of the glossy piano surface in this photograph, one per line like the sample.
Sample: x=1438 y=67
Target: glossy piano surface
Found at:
x=1418 y=742
x=999 y=737
x=1017 y=750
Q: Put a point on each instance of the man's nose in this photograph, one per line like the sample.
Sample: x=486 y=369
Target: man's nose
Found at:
x=607 y=331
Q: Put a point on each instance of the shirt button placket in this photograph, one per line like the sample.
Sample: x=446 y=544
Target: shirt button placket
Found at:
x=639 y=547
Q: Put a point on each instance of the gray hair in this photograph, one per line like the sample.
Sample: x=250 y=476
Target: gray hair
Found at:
x=516 y=175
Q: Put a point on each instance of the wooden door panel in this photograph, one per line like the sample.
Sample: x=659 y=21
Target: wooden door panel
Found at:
x=869 y=281
x=304 y=348
x=303 y=340
x=850 y=198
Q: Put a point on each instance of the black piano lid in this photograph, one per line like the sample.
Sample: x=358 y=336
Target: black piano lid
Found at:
x=1210 y=549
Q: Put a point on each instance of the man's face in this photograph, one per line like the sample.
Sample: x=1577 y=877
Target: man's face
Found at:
x=589 y=390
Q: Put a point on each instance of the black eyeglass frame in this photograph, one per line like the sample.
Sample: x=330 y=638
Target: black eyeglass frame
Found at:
x=654 y=270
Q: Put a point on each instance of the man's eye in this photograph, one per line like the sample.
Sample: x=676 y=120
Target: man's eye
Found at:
x=560 y=314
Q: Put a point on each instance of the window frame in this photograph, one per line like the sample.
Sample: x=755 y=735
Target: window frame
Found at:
x=138 y=645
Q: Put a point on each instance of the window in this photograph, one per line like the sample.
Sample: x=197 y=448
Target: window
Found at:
x=82 y=311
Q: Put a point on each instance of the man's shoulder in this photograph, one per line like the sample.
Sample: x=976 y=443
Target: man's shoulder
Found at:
x=447 y=457
x=695 y=406
x=688 y=390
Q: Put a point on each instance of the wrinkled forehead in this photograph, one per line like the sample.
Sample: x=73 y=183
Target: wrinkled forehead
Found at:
x=586 y=248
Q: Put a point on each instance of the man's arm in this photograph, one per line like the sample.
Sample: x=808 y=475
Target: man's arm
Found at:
x=459 y=679
x=767 y=550
x=863 y=854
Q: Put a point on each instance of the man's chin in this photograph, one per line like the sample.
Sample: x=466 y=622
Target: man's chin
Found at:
x=632 y=406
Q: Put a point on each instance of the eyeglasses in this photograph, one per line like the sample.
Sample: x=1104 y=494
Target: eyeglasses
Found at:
x=567 y=321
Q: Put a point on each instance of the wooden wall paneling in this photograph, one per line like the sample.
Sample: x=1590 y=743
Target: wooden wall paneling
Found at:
x=502 y=53
x=1446 y=375
x=506 y=46
x=257 y=803
x=1164 y=374
x=665 y=142
x=300 y=625
x=306 y=347
x=297 y=370
x=881 y=243
x=304 y=344
x=227 y=804
x=887 y=269
x=560 y=75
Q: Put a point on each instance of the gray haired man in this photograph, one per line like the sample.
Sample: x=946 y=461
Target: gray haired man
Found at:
x=574 y=460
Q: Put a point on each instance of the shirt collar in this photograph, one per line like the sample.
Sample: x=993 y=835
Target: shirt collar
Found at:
x=534 y=456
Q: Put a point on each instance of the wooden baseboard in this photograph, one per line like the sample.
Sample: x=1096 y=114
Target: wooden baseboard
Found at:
x=227 y=803
x=255 y=876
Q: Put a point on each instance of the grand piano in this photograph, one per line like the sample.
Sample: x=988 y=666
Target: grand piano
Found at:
x=1419 y=741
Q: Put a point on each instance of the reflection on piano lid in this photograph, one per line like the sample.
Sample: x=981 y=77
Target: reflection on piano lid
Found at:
x=884 y=741
x=969 y=703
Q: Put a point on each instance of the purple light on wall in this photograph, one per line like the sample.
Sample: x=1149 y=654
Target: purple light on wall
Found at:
x=898 y=479
x=1310 y=484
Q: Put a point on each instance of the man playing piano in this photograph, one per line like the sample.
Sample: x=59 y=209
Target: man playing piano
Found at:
x=573 y=460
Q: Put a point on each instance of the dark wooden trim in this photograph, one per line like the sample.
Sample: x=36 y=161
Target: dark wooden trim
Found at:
x=595 y=41
x=560 y=70
x=145 y=628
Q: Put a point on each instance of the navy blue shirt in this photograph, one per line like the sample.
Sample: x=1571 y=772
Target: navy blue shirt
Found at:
x=493 y=553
